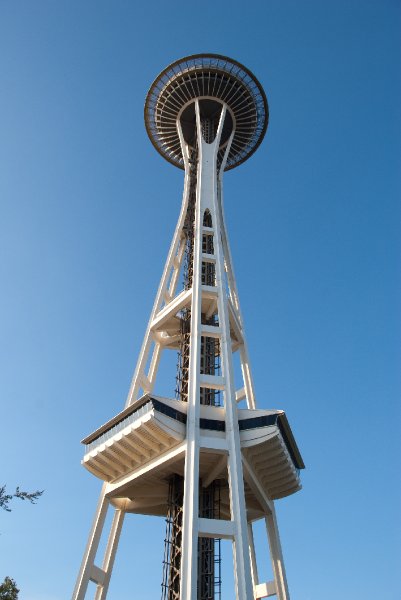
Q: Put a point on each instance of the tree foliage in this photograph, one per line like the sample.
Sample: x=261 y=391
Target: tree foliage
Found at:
x=8 y=589
x=5 y=498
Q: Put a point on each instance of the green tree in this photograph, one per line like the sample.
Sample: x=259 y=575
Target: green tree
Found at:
x=8 y=589
x=5 y=498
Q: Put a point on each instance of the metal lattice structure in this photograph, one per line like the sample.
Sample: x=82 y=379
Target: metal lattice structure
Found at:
x=208 y=466
x=172 y=542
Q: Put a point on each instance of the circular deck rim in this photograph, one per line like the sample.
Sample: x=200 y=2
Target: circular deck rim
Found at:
x=237 y=70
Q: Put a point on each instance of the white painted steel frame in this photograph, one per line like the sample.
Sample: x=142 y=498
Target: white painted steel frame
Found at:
x=208 y=197
x=89 y=571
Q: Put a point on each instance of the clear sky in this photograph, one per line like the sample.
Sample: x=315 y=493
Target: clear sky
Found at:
x=88 y=209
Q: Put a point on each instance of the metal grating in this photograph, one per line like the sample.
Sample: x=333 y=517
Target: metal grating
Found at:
x=172 y=542
x=209 y=549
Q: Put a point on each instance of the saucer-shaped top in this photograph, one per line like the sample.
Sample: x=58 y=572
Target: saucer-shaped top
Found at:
x=206 y=77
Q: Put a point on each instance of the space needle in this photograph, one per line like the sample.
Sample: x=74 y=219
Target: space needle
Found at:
x=206 y=459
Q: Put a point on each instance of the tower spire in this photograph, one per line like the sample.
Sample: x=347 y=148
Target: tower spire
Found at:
x=209 y=467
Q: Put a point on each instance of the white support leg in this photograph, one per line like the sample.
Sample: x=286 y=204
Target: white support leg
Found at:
x=245 y=362
x=208 y=199
x=110 y=554
x=277 y=557
x=172 y=263
x=154 y=364
x=88 y=560
x=247 y=375
x=189 y=554
x=252 y=554
x=236 y=482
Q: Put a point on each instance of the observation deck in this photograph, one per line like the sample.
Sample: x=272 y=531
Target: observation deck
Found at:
x=213 y=79
x=139 y=450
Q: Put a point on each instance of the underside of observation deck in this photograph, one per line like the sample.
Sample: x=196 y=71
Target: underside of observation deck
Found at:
x=212 y=79
x=125 y=451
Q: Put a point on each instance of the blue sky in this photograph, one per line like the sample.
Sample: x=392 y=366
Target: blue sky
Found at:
x=88 y=209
